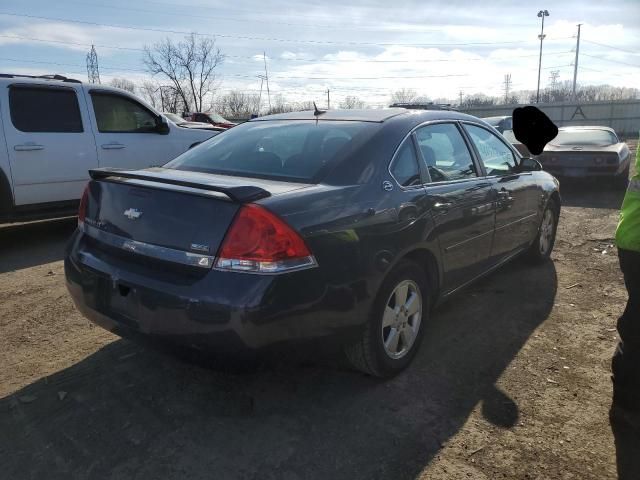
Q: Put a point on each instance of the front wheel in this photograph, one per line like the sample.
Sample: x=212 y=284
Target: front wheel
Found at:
x=542 y=246
x=392 y=337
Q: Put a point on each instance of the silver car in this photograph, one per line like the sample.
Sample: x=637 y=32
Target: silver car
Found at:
x=587 y=152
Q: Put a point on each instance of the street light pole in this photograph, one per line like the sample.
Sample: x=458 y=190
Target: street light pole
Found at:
x=541 y=14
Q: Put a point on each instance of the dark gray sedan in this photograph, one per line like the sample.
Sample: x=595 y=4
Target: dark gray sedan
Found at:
x=587 y=152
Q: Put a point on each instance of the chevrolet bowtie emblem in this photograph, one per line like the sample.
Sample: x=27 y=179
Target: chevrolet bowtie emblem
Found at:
x=132 y=213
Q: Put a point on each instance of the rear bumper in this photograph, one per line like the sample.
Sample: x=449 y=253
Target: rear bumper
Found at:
x=211 y=310
x=605 y=171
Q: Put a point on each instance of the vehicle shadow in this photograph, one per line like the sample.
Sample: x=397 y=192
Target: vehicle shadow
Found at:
x=590 y=194
x=132 y=412
x=30 y=244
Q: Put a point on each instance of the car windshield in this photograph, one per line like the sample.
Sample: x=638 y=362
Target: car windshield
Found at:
x=584 y=137
x=217 y=118
x=295 y=150
x=177 y=119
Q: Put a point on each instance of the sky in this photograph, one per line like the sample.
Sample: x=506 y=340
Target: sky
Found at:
x=366 y=49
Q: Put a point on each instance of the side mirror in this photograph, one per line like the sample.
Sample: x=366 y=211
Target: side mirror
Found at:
x=162 y=126
x=528 y=164
x=533 y=128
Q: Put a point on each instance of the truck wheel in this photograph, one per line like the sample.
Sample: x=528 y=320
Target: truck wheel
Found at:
x=393 y=334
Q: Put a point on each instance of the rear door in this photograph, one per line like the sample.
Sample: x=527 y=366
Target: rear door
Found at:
x=126 y=134
x=461 y=202
x=517 y=194
x=49 y=142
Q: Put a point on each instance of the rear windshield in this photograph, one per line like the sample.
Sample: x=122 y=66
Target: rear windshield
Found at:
x=297 y=150
x=584 y=137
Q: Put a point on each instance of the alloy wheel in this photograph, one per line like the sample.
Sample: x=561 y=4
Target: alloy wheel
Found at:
x=401 y=319
x=547 y=231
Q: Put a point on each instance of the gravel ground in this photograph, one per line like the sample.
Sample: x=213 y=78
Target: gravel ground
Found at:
x=512 y=381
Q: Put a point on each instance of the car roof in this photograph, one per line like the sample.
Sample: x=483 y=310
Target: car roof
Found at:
x=353 y=115
x=379 y=115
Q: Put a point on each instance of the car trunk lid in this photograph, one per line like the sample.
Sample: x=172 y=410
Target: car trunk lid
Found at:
x=168 y=214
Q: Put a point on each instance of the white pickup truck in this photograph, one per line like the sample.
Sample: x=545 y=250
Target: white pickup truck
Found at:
x=54 y=129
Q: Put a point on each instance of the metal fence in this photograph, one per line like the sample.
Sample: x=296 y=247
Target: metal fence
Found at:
x=622 y=115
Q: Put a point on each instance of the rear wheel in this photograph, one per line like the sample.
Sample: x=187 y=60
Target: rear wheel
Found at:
x=392 y=337
x=542 y=246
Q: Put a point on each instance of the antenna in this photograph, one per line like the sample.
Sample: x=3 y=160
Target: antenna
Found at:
x=92 y=66
x=317 y=112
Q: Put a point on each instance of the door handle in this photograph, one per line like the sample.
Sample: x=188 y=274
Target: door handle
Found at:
x=442 y=206
x=27 y=147
x=504 y=195
x=112 y=146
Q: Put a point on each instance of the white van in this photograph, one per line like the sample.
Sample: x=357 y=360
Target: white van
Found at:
x=54 y=129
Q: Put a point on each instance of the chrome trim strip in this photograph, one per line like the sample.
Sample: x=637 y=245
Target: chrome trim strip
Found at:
x=149 y=250
x=523 y=219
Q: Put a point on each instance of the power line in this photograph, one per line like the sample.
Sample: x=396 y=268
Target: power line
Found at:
x=610 y=46
x=311 y=60
x=613 y=61
x=240 y=75
x=262 y=39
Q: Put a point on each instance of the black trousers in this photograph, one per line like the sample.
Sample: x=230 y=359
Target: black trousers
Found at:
x=626 y=360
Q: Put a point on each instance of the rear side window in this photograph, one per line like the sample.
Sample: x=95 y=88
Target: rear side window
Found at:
x=445 y=152
x=297 y=150
x=117 y=114
x=54 y=110
x=405 y=167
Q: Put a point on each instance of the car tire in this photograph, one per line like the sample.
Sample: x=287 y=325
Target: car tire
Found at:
x=377 y=352
x=621 y=181
x=541 y=248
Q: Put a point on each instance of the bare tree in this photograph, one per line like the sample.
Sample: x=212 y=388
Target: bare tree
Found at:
x=404 y=95
x=124 y=84
x=189 y=66
x=150 y=92
x=237 y=104
x=479 y=99
x=351 y=102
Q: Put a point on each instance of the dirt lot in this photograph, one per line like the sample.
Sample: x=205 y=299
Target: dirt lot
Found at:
x=512 y=381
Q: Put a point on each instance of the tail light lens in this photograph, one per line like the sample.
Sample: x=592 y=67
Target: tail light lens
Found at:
x=82 y=210
x=260 y=242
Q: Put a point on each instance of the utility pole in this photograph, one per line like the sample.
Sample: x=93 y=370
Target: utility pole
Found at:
x=266 y=76
x=92 y=66
x=507 y=87
x=328 y=100
x=575 y=64
x=461 y=93
x=541 y=14
x=262 y=79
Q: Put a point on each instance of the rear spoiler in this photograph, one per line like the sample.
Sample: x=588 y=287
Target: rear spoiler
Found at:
x=240 y=193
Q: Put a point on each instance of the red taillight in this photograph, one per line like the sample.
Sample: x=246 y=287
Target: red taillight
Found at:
x=259 y=241
x=82 y=210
